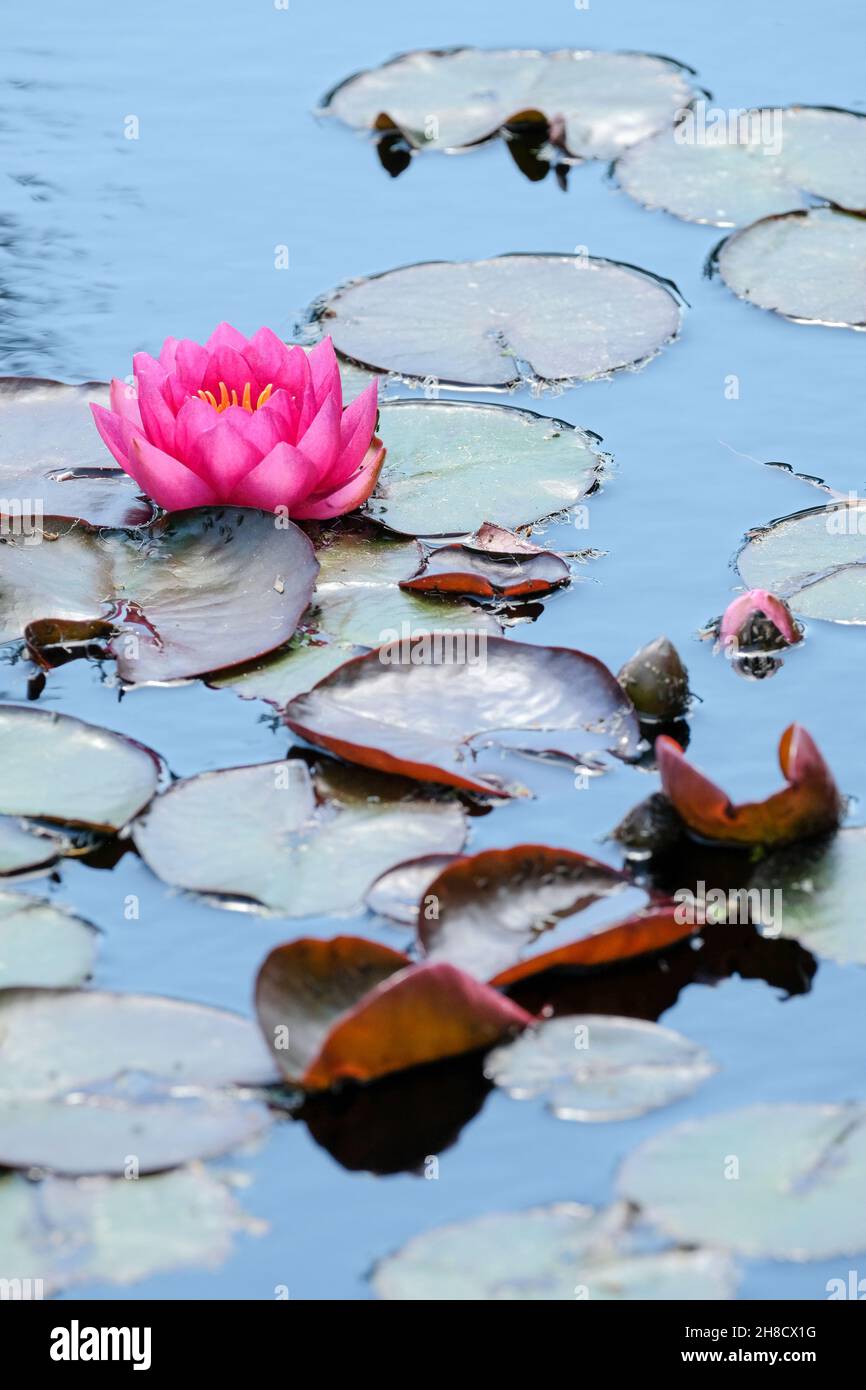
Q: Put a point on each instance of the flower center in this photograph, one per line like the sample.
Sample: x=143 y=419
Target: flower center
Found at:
x=228 y=398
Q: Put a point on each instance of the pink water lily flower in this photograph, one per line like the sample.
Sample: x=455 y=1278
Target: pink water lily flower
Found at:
x=247 y=421
x=757 y=603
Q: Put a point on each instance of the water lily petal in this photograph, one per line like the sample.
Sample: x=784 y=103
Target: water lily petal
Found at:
x=281 y=478
x=356 y=430
x=168 y=354
x=124 y=402
x=757 y=601
x=166 y=479
x=325 y=372
x=224 y=335
x=116 y=432
x=267 y=356
x=321 y=442
x=350 y=495
x=222 y=455
x=229 y=366
x=157 y=417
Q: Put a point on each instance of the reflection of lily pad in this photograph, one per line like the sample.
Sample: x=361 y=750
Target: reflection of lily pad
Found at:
x=820 y=902
x=514 y=691
x=297 y=843
x=598 y=1067
x=535 y=318
x=781 y=1182
x=64 y=770
x=54 y=460
x=807 y=266
x=562 y=1252
x=449 y=464
x=815 y=560
x=449 y=99
x=196 y=591
x=110 y=1230
x=769 y=162
x=40 y=944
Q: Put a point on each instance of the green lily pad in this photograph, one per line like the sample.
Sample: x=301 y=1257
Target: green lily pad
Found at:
x=561 y=1252
x=807 y=266
x=771 y=161
x=814 y=559
x=294 y=842
x=53 y=1042
x=41 y=944
x=110 y=1230
x=448 y=100
x=194 y=592
x=599 y=1067
x=532 y=318
x=779 y=1182
x=821 y=895
x=54 y=460
x=61 y=769
x=24 y=847
x=450 y=463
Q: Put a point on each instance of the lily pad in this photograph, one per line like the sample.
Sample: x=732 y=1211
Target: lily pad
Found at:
x=457 y=569
x=821 y=895
x=815 y=560
x=448 y=462
x=770 y=161
x=54 y=461
x=493 y=907
x=110 y=1230
x=194 y=592
x=61 y=769
x=599 y=1067
x=530 y=318
x=41 y=944
x=24 y=847
x=456 y=697
x=295 y=842
x=53 y=1042
x=778 y=1182
x=643 y=933
x=397 y=893
x=349 y=1009
x=561 y=1252
x=807 y=266
x=450 y=99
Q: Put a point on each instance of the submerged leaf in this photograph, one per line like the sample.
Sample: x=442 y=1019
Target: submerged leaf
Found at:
x=557 y=319
x=457 y=695
x=295 y=842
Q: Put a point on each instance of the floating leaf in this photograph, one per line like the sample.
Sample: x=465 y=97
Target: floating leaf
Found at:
x=560 y=1252
x=644 y=933
x=292 y=672
x=799 y=1173
x=814 y=560
x=447 y=459
x=194 y=592
x=769 y=161
x=820 y=896
x=535 y=318
x=24 y=847
x=53 y=460
x=41 y=944
x=598 y=1067
x=61 y=769
x=449 y=99
x=296 y=842
x=458 y=569
x=493 y=907
x=807 y=266
x=349 y=1009
x=111 y=1230
x=457 y=695
x=56 y=1041
x=809 y=805
x=399 y=891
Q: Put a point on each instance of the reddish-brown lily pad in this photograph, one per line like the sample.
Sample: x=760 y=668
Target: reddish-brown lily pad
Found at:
x=809 y=805
x=194 y=592
x=349 y=1009
x=486 y=911
x=420 y=706
x=644 y=933
x=458 y=569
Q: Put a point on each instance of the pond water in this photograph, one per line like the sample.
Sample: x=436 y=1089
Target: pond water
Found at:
x=110 y=244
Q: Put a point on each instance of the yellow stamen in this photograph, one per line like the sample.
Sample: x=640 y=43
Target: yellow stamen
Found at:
x=225 y=400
